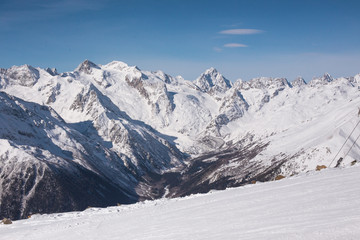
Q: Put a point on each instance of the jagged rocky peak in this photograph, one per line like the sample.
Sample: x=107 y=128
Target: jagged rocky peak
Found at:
x=298 y=82
x=24 y=75
x=268 y=82
x=212 y=79
x=211 y=71
x=23 y=69
x=86 y=67
x=241 y=84
x=325 y=79
x=52 y=71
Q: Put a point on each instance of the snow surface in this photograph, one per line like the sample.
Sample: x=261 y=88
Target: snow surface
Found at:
x=314 y=205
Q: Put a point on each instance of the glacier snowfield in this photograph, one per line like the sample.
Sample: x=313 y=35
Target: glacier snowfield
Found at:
x=313 y=205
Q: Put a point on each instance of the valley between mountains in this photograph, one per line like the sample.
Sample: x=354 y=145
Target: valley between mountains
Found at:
x=107 y=134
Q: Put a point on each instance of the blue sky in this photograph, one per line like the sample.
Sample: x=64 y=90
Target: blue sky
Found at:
x=242 y=39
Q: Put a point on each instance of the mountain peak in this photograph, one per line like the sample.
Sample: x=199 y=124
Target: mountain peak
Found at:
x=25 y=67
x=86 y=67
x=52 y=71
x=211 y=70
x=299 y=81
x=212 y=79
x=268 y=82
x=117 y=65
x=325 y=79
x=24 y=75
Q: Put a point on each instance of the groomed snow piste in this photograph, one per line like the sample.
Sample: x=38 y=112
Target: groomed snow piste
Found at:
x=315 y=205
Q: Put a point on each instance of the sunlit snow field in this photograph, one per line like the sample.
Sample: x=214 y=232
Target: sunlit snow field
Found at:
x=316 y=205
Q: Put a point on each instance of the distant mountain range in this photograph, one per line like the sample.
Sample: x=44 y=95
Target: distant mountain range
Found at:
x=108 y=134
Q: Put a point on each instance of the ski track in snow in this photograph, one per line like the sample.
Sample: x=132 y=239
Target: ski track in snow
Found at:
x=315 y=205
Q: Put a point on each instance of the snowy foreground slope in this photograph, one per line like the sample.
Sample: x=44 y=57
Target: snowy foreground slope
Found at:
x=316 y=205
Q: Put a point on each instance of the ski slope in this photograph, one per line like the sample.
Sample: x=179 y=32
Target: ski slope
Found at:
x=315 y=205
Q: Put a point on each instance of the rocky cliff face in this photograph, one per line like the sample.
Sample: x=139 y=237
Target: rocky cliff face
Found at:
x=46 y=165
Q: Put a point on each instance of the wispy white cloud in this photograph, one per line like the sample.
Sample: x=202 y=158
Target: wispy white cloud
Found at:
x=235 y=45
x=241 y=31
x=217 y=49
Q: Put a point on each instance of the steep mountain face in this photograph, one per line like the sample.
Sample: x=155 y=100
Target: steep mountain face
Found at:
x=298 y=82
x=327 y=78
x=212 y=81
x=107 y=134
x=46 y=165
x=24 y=75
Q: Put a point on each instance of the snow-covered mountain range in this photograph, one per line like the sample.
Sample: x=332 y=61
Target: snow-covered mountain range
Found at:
x=107 y=134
